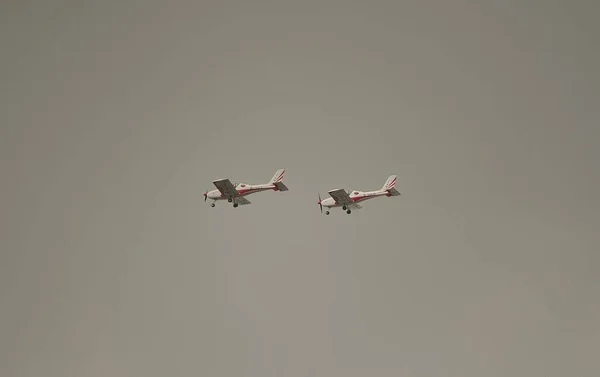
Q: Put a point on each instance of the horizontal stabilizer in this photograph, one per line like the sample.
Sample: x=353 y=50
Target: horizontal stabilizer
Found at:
x=280 y=186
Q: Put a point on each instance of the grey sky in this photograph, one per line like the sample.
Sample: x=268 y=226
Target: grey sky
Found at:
x=117 y=115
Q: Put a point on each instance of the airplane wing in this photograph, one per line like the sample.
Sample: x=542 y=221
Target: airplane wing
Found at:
x=341 y=197
x=226 y=187
x=242 y=201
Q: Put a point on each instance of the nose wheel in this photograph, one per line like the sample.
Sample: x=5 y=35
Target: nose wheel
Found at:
x=344 y=208
x=212 y=204
x=348 y=211
x=235 y=205
x=229 y=200
x=327 y=212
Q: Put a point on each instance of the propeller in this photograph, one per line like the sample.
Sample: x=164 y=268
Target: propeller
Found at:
x=205 y=195
x=319 y=203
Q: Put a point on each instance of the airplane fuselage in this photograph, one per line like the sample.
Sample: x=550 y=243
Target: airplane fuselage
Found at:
x=356 y=196
x=243 y=189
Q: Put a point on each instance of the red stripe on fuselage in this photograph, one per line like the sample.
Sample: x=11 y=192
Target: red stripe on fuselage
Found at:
x=252 y=190
x=365 y=197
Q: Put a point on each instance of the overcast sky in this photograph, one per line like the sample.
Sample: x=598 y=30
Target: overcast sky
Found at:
x=117 y=115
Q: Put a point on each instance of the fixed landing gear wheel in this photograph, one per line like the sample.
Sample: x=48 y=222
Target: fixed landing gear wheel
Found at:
x=348 y=212
x=230 y=200
x=327 y=212
x=212 y=204
x=344 y=208
x=235 y=205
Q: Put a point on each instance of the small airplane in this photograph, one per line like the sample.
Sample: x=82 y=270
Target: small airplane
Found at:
x=235 y=193
x=349 y=200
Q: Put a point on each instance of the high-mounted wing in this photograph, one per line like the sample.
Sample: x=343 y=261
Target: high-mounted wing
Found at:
x=242 y=201
x=226 y=188
x=341 y=197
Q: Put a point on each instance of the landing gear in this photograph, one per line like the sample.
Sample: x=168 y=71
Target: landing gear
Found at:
x=229 y=200
x=344 y=208
x=327 y=212
x=212 y=204
x=235 y=205
x=348 y=211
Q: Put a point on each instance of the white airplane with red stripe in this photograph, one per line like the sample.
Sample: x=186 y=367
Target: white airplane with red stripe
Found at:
x=349 y=200
x=236 y=193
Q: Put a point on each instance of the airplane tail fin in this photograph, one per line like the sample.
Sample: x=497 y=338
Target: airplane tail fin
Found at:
x=390 y=183
x=390 y=186
x=277 y=180
x=278 y=177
